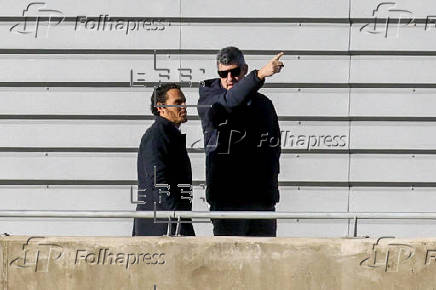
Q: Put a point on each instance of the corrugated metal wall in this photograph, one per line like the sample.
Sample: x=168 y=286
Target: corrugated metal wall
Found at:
x=355 y=100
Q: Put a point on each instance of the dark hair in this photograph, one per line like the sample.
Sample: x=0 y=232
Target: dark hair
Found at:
x=160 y=96
x=230 y=55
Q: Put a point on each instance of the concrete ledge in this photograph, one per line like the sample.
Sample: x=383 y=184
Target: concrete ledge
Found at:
x=159 y=263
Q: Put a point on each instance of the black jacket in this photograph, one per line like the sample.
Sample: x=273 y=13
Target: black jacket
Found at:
x=163 y=159
x=242 y=142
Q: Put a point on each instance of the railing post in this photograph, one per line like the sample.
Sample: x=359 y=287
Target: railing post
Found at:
x=355 y=227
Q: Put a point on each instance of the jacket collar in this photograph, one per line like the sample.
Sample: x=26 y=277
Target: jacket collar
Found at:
x=212 y=83
x=166 y=122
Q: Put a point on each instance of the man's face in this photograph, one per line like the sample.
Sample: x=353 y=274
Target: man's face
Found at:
x=230 y=80
x=177 y=115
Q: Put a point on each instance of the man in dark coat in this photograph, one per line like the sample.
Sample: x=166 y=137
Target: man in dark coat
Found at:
x=242 y=144
x=164 y=168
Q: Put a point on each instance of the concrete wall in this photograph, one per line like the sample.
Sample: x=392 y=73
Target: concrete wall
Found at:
x=218 y=263
x=70 y=121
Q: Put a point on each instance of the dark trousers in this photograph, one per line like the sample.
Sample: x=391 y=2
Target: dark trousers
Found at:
x=148 y=227
x=244 y=227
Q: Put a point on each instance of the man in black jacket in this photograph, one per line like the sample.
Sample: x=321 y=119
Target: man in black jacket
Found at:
x=242 y=144
x=164 y=168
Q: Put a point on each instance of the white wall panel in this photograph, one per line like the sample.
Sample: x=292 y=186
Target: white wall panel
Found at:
x=118 y=227
x=313 y=199
x=76 y=101
x=86 y=68
x=393 y=135
x=419 y=9
x=393 y=69
x=392 y=199
x=404 y=36
x=312 y=228
x=399 y=228
x=317 y=69
x=330 y=69
x=314 y=135
x=126 y=101
x=131 y=8
x=72 y=133
x=400 y=168
x=68 y=36
x=122 y=166
x=86 y=133
x=68 y=166
x=117 y=133
x=273 y=36
x=102 y=166
x=313 y=167
x=54 y=68
x=393 y=102
x=288 y=102
x=53 y=197
x=67 y=227
x=275 y=8
x=308 y=101
x=79 y=198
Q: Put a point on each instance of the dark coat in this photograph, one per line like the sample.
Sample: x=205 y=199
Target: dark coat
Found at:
x=163 y=151
x=242 y=143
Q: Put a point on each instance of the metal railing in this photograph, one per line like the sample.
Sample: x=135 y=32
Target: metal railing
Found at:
x=214 y=214
x=179 y=215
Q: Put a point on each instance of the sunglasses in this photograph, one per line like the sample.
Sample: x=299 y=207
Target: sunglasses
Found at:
x=235 y=72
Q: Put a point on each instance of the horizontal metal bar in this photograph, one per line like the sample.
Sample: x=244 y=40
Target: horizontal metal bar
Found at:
x=135 y=150
x=201 y=150
x=213 y=214
x=74 y=149
x=360 y=118
x=394 y=151
x=75 y=84
x=196 y=118
x=177 y=20
x=70 y=149
x=86 y=51
x=80 y=182
x=79 y=117
x=373 y=20
x=196 y=85
x=393 y=85
x=358 y=184
x=393 y=52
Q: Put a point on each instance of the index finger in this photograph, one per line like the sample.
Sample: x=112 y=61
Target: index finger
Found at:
x=278 y=56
